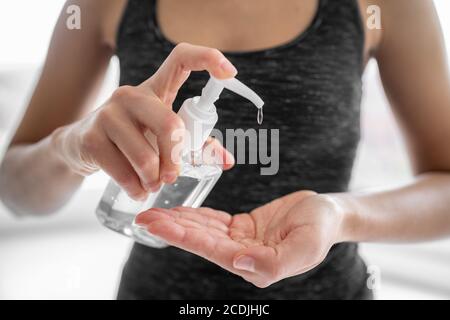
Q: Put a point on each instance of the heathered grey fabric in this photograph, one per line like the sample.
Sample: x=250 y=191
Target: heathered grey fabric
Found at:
x=312 y=90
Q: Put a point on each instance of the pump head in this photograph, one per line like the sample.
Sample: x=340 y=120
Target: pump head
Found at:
x=199 y=113
x=214 y=88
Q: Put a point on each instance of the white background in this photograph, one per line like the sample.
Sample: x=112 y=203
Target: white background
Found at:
x=70 y=256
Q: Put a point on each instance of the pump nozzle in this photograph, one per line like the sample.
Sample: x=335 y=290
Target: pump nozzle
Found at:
x=214 y=87
x=199 y=113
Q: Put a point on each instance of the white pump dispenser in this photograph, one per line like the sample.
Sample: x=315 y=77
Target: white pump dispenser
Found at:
x=117 y=211
x=199 y=113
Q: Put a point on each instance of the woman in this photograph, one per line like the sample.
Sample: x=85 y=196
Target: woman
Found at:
x=306 y=59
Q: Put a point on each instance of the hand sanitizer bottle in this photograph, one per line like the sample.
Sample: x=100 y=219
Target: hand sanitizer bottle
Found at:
x=117 y=211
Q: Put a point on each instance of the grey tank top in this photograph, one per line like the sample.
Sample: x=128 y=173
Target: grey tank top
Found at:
x=312 y=90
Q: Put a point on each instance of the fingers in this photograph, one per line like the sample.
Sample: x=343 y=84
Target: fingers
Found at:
x=217 y=249
x=243 y=228
x=184 y=217
x=222 y=216
x=183 y=59
x=187 y=230
x=154 y=156
x=133 y=109
x=259 y=263
x=257 y=259
x=133 y=145
x=113 y=162
x=215 y=153
x=296 y=254
x=165 y=84
x=168 y=129
x=163 y=123
x=205 y=221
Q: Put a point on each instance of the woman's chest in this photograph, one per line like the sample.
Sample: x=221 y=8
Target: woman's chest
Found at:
x=234 y=25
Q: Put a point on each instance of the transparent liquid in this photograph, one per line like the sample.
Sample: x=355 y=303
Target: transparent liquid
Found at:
x=260 y=116
x=117 y=211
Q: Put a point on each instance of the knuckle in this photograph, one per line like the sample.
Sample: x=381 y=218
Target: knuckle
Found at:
x=135 y=193
x=150 y=170
x=105 y=116
x=172 y=122
x=212 y=55
x=146 y=161
x=181 y=46
x=123 y=93
x=125 y=180
x=90 y=143
x=180 y=49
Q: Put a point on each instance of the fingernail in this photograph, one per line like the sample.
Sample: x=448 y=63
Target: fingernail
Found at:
x=245 y=263
x=138 y=197
x=227 y=67
x=152 y=187
x=139 y=221
x=170 y=177
x=142 y=219
x=147 y=186
x=155 y=187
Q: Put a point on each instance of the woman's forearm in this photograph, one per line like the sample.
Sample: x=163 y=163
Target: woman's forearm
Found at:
x=34 y=180
x=418 y=211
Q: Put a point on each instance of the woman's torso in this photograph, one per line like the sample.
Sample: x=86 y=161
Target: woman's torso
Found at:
x=312 y=90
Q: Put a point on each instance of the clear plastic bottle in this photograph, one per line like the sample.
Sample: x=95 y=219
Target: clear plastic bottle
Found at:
x=117 y=211
x=197 y=178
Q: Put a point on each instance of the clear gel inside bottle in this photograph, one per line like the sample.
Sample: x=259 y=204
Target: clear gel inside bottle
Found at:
x=117 y=211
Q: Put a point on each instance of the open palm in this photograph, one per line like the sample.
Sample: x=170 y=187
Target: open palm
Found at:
x=283 y=238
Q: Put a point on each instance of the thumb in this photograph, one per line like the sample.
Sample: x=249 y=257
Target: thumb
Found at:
x=215 y=153
x=262 y=260
x=294 y=255
x=183 y=59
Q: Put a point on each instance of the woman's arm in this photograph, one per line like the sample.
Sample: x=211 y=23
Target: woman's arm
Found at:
x=416 y=212
x=130 y=137
x=32 y=177
x=415 y=75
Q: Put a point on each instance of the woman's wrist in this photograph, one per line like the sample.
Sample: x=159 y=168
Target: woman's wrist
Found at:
x=350 y=215
x=67 y=154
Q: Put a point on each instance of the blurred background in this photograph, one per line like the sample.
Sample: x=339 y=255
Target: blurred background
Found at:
x=70 y=256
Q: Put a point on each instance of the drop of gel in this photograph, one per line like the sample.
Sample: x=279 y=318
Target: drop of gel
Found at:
x=260 y=116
